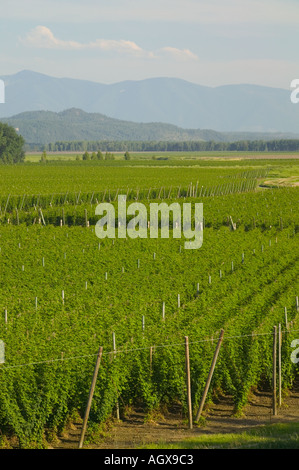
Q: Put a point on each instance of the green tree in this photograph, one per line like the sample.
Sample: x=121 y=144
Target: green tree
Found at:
x=11 y=145
x=127 y=156
x=100 y=155
x=43 y=158
x=109 y=156
x=86 y=156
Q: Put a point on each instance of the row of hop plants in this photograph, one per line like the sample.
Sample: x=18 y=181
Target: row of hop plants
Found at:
x=38 y=399
x=10 y=203
x=252 y=210
x=29 y=418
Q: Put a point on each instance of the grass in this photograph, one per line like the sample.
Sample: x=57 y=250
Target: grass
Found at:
x=272 y=436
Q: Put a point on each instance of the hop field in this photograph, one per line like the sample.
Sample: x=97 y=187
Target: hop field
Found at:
x=64 y=293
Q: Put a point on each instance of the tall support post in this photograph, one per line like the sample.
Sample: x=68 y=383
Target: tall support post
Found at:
x=203 y=399
x=188 y=380
x=91 y=392
x=279 y=364
x=114 y=349
x=274 y=397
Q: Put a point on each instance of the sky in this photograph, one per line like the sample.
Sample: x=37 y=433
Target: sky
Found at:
x=207 y=42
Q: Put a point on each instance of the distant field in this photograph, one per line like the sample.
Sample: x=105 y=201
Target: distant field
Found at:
x=62 y=156
x=96 y=176
x=206 y=169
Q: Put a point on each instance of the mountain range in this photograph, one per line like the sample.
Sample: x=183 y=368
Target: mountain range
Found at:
x=229 y=108
x=44 y=127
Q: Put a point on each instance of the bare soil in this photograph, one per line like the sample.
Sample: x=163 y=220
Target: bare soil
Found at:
x=134 y=430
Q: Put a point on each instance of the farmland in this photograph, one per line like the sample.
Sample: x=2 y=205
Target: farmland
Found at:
x=64 y=292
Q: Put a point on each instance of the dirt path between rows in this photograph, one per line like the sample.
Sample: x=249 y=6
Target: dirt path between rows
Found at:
x=133 y=431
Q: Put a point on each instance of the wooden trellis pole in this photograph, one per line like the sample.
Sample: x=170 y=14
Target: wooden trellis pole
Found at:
x=279 y=364
x=91 y=392
x=163 y=311
x=114 y=349
x=188 y=380
x=2 y=352
x=203 y=399
x=42 y=217
x=274 y=399
x=6 y=204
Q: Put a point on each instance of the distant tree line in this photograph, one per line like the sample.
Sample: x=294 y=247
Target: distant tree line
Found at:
x=96 y=156
x=278 y=145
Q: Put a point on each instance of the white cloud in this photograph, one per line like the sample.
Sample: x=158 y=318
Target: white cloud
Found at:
x=179 y=54
x=42 y=37
x=119 y=46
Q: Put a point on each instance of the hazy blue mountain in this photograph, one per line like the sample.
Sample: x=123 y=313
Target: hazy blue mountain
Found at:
x=230 y=108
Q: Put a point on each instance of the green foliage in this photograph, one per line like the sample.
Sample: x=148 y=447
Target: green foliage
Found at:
x=11 y=145
x=43 y=157
x=109 y=156
x=172 y=145
x=70 y=183
x=86 y=156
x=51 y=346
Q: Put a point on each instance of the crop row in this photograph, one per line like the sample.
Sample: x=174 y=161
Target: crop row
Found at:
x=236 y=281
